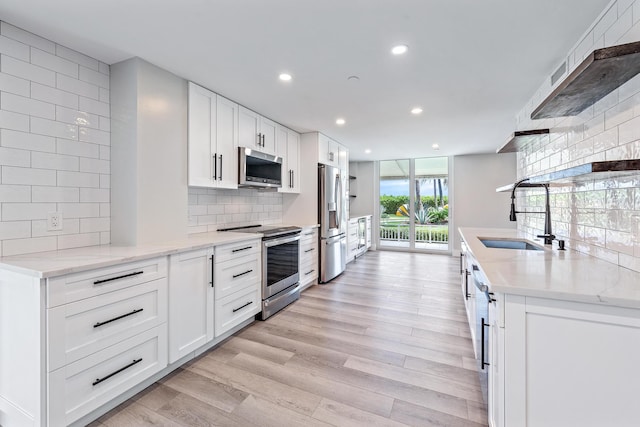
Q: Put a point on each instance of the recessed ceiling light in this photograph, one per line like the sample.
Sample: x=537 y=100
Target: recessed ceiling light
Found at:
x=400 y=49
x=340 y=121
x=435 y=146
x=416 y=110
x=367 y=151
x=285 y=77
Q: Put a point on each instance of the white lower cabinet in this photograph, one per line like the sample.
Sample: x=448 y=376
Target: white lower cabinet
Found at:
x=358 y=236
x=308 y=256
x=237 y=279
x=190 y=301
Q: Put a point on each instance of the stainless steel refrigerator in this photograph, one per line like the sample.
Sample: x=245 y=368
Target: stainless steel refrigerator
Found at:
x=333 y=222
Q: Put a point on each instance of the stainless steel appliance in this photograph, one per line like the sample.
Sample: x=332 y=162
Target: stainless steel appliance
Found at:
x=333 y=224
x=280 y=265
x=257 y=169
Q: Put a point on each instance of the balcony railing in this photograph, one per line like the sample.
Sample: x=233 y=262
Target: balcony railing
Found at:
x=424 y=233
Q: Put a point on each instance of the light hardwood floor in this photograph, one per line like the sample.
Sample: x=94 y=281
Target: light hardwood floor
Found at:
x=385 y=344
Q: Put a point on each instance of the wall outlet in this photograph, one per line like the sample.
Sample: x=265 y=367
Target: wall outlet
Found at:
x=54 y=221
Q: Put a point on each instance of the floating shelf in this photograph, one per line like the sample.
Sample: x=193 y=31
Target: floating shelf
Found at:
x=522 y=139
x=593 y=170
x=600 y=73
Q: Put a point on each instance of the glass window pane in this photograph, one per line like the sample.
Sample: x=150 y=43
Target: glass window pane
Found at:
x=432 y=203
x=394 y=203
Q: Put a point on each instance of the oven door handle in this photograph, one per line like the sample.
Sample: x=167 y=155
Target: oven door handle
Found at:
x=280 y=241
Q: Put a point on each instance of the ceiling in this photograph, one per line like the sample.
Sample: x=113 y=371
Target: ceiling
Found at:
x=471 y=65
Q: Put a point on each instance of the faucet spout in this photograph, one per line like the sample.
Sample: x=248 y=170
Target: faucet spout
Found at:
x=548 y=234
x=512 y=214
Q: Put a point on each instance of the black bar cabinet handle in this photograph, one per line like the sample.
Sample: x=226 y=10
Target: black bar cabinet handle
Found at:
x=241 y=249
x=220 y=167
x=243 y=306
x=211 y=282
x=309 y=250
x=309 y=233
x=309 y=272
x=99 y=380
x=215 y=166
x=483 y=363
x=124 y=276
x=242 y=274
x=97 y=325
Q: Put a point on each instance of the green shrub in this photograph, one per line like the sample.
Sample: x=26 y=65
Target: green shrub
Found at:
x=391 y=204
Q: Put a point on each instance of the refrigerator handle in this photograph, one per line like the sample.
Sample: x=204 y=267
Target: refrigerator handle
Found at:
x=338 y=201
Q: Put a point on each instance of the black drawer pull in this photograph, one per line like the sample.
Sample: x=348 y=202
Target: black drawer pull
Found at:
x=309 y=250
x=97 y=282
x=99 y=380
x=309 y=234
x=243 y=306
x=309 y=272
x=242 y=274
x=97 y=325
x=241 y=249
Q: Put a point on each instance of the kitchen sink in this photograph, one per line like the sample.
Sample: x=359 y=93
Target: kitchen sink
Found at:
x=510 y=244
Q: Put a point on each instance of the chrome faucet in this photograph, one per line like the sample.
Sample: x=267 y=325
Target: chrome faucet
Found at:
x=548 y=235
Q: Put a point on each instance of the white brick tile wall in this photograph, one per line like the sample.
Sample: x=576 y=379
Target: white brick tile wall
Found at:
x=600 y=216
x=54 y=145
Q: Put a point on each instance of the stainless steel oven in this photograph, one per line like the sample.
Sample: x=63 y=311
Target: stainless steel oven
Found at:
x=280 y=266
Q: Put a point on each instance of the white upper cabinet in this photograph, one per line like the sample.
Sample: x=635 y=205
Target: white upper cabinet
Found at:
x=213 y=139
x=332 y=153
x=288 y=146
x=257 y=132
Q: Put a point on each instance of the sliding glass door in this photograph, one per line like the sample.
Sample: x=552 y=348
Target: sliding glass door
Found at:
x=414 y=210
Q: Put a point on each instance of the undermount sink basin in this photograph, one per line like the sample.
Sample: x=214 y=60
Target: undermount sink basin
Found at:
x=510 y=244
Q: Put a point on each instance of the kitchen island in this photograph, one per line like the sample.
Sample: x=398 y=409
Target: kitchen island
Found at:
x=563 y=332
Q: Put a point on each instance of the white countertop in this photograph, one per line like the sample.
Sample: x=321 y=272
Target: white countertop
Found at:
x=57 y=263
x=566 y=275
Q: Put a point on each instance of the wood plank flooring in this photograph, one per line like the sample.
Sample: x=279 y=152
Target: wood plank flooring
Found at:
x=385 y=344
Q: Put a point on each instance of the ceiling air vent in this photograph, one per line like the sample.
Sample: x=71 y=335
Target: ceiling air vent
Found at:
x=559 y=73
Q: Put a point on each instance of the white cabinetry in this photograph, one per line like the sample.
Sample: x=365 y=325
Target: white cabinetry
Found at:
x=106 y=332
x=191 y=301
x=237 y=279
x=308 y=256
x=256 y=132
x=330 y=152
x=369 y=231
x=288 y=146
x=468 y=290
x=358 y=236
x=213 y=139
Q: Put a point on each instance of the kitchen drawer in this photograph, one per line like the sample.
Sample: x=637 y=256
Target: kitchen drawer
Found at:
x=237 y=274
x=82 y=386
x=87 y=284
x=308 y=235
x=78 y=329
x=234 y=250
x=308 y=253
x=308 y=272
x=235 y=309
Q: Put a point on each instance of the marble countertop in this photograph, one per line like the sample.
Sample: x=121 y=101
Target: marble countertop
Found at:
x=550 y=273
x=57 y=263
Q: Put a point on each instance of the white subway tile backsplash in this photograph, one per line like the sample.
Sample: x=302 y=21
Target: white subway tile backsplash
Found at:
x=24 y=105
x=95 y=165
x=55 y=194
x=15 y=157
x=54 y=96
x=26 y=211
x=75 y=117
x=53 y=128
x=77 y=148
x=53 y=63
x=14 y=121
x=15 y=230
x=78 y=179
x=13 y=84
x=25 y=246
x=28 y=176
x=26 y=37
x=76 y=57
x=95 y=195
x=78 y=87
x=54 y=161
x=94 y=77
x=28 y=71
x=94 y=135
x=50 y=98
x=15 y=193
x=14 y=48
x=95 y=107
x=617 y=30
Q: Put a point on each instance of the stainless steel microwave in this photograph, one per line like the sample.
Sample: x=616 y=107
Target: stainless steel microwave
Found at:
x=258 y=170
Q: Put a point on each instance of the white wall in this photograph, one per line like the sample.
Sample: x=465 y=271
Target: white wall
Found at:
x=54 y=145
x=598 y=216
x=475 y=201
x=364 y=187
